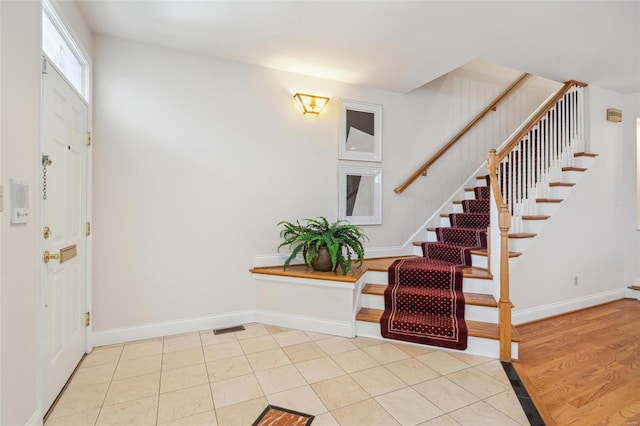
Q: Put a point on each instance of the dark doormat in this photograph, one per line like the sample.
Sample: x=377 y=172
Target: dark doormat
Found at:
x=278 y=416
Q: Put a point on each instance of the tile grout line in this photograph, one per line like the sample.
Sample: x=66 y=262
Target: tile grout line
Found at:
x=295 y=364
x=160 y=382
x=110 y=382
x=206 y=369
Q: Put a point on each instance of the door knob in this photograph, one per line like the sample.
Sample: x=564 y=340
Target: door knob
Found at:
x=46 y=257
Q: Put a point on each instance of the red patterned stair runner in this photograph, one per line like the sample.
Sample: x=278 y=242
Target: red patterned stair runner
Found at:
x=424 y=302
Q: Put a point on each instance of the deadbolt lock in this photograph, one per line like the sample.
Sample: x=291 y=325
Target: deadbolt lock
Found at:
x=46 y=232
x=46 y=257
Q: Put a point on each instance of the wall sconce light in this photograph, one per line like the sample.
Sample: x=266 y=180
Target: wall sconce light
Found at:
x=614 y=115
x=310 y=104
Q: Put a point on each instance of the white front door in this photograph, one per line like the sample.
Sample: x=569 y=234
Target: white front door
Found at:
x=63 y=195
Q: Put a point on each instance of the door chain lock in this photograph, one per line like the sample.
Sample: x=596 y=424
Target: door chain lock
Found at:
x=46 y=161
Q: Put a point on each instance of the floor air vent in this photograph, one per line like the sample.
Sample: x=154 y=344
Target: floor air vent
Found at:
x=229 y=330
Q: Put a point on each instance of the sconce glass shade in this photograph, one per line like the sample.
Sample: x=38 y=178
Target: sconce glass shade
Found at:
x=310 y=104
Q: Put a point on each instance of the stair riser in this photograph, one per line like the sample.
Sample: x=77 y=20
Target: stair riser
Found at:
x=475 y=345
x=561 y=192
x=520 y=244
x=377 y=277
x=533 y=226
x=546 y=209
x=471 y=312
x=476 y=285
x=583 y=162
x=479 y=261
x=572 y=177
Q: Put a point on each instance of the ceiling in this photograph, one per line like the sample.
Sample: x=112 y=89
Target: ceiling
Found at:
x=393 y=45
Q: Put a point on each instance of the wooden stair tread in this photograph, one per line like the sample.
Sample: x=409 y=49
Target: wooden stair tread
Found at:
x=375 y=289
x=520 y=235
x=444 y=214
x=477 y=299
x=469 y=189
x=535 y=217
x=457 y=202
x=483 y=252
x=634 y=287
x=574 y=169
x=369 y=315
x=585 y=154
x=383 y=264
x=475 y=272
x=482 y=177
x=476 y=328
x=489 y=330
x=567 y=184
x=549 y=200
x=431 y=229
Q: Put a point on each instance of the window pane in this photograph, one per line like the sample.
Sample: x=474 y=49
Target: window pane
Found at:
x=62 y=55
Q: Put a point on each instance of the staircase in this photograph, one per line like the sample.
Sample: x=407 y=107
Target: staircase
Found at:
x=481 y=310
x=530 y=177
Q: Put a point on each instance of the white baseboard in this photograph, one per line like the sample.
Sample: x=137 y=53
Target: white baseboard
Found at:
x=150 y=331
x=545 y=311
x=36 y=419
x=318 y=325
x=632 y=294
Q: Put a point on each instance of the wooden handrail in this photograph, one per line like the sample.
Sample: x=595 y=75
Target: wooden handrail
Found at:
x=504 y=223
x=515 y=140
x=423 y=169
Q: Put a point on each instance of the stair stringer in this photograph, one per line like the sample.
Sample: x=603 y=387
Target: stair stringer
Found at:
x=434 y=220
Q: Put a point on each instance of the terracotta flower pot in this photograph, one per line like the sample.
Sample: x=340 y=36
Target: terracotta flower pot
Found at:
x=321 y=261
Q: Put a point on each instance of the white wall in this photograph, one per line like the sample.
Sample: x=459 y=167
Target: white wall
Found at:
x=19 y=140
x=589 y=235
x=196 y=160
x=2 y=207
x=631 y=130
x=20 y=62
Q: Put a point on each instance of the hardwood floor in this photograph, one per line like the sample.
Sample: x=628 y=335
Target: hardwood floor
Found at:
x=583 y=368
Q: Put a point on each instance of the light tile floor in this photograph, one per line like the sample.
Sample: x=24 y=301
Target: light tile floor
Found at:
x=205 y=379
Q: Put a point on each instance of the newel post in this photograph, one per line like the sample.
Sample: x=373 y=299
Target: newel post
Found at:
x=504 y=303
x=504 y=224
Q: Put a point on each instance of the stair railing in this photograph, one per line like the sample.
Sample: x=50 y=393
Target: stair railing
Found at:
x=422 y=171
x=523 y=169
x=535 y=155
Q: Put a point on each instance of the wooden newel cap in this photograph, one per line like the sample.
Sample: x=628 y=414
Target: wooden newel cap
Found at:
x=492 y=160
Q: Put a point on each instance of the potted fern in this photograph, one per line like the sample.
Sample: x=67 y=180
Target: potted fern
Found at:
x=325 y=246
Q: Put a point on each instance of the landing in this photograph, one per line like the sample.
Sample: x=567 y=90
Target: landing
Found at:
x=304 y=271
